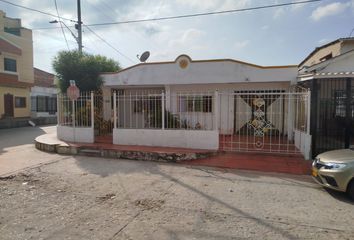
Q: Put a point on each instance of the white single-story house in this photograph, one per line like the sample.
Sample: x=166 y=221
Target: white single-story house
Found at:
x=246 y=104
x=43 y=95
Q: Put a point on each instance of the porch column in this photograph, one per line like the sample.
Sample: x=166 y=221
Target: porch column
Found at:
x=114 y=109
x=58 y=108
x=92 y=111
x=216 y=110
x=291 y=108
x=163 y=110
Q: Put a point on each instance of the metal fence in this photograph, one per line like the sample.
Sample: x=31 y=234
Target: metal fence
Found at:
x=151 y=110
x=259 y=121
x=76 y=113
x=262 y=121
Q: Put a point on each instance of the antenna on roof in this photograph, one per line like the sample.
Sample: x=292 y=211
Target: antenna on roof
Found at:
x=143 y=56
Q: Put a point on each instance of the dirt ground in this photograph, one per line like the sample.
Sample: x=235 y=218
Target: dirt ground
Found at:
x=92 y=198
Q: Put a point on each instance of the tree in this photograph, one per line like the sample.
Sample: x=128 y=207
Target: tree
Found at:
x=84 y=68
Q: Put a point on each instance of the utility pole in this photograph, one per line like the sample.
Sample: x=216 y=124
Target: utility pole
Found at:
x=79 y=26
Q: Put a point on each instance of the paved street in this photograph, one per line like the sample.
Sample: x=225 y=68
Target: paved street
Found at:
x=69 y=197
x=17 y=149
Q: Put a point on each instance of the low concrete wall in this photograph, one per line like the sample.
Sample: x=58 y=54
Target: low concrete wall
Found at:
x=23 y=122
x=77 y=134
x=195 y=139
x=303 y=143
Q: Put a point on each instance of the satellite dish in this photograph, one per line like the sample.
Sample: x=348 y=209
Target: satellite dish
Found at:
x=144 y=56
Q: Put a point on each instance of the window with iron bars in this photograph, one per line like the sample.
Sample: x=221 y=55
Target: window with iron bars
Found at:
x=147 y=104
x=44 y=104
x=195 y=104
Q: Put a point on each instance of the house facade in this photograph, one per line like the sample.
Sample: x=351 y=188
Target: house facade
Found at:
x=329 y=73
x=239 y=106
x=43 y=95
x=16 y=68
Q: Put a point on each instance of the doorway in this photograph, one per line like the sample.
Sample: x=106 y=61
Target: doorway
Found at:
x=9 y=105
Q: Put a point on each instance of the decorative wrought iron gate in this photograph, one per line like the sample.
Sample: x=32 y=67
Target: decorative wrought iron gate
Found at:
x=262 y=121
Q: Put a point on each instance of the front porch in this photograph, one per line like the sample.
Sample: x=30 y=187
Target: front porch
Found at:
x=285 y=163
x=273 y=122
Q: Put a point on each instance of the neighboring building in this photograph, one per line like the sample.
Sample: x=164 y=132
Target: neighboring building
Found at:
x=327 y=51
x=16 y=68
x=329 y=73
x=43 y=94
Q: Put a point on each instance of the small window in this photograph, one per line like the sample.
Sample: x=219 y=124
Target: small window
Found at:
x=10 y=65
x=14 y=31
x=148 y=104
x=20 y=102
x=195 y=104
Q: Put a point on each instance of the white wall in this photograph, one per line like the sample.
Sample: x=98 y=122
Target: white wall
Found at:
x=42 y=114
x=303 y=143
x=43 y=91
x=77 y=134
x=194 y=139
x=198 y=72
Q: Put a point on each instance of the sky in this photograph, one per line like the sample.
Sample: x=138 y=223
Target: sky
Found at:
x=276 y=36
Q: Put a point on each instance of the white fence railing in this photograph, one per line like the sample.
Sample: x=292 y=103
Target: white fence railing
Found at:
x=189 y=111
x=262 y=121
x=77 y=113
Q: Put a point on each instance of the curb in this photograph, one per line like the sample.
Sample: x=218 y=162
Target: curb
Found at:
x=156 y=156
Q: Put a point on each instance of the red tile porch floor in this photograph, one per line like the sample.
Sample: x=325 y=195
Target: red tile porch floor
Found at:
x=281 y=163
x=272 y=162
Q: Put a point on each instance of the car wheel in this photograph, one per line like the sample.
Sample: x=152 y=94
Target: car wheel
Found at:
x=351 y=189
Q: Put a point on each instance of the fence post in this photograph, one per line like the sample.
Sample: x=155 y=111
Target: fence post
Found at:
x=291 y=113
x=73 y=112
x=308 y=112
x=58 y=109
x=216 y=108
x=163 y=110
x=114 y=109
x=92 y=111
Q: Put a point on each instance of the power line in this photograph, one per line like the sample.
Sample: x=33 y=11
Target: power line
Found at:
x=61 y=25
x=196 y=14
x=351 y=32
x=110 y=45
x=203 y=14
x=34 y=10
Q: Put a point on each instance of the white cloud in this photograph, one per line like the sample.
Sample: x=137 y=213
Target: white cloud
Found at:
x=278 y=13
x=175 y=43
x=188 y=38
x=241 y=44
x=265 y=27
x=323 y=41
x=329 y=10
x=296 y=7
x=214 y=4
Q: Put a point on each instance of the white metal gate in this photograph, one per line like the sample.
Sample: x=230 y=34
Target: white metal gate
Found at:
x=262 y=121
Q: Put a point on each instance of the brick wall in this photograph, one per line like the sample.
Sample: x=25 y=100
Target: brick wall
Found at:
x=43 y=79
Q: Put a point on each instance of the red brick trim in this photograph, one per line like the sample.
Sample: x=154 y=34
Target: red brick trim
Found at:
x=11 y=80
x=9 y=48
